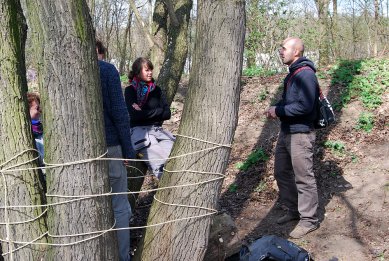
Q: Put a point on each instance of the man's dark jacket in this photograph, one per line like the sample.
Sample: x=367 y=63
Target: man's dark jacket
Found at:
x=297 y=110
x=116 y=118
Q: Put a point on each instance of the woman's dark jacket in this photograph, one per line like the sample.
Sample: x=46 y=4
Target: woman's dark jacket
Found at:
x=153 y=112
x=297 y=110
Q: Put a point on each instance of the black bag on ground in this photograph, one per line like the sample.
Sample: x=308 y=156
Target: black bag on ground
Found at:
x=325 y=115
x=273 y=248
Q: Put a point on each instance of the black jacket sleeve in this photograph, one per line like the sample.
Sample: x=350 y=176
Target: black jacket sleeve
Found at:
x=158 y=113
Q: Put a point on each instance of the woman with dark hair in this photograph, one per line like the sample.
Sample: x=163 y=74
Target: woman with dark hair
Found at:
x=148 y=109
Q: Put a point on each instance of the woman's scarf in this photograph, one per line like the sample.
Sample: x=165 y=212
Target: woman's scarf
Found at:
x=142 y=90
x=37 y=128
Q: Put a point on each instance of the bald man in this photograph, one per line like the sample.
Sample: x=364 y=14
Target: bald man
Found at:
x=293 y=167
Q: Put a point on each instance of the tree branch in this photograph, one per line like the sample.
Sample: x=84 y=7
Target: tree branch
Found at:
x=172 y=14
x=140 y=20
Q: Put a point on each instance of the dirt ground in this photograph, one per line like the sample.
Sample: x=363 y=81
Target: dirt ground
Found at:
x=353 y=185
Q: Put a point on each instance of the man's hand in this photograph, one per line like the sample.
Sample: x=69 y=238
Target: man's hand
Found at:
x=271 y=112
x=136 y=107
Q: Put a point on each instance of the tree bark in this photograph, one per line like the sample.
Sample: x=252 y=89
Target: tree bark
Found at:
x=176 y=49
x=210 y=114
x=19 y=188
x=72 y=113
x=92 y=6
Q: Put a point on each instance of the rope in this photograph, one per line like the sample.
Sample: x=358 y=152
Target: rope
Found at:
x=75 y=198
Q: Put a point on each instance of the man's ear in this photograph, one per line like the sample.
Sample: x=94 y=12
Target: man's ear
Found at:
x=296 y=52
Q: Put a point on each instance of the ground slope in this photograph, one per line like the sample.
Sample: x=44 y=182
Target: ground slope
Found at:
x=353 y=180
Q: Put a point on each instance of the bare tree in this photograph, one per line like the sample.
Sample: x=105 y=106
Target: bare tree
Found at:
x=168 y=41
x=334 y=29
x=18 y=188
x=176 y=47
x=72 y=112
x=376 y=27
x=210 y=114
x=123 y=50
x=159 y=31
x=324 y=44
x=143 y=26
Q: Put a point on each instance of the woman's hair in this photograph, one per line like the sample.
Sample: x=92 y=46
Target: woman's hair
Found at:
x=137 y=67
x=33 y=96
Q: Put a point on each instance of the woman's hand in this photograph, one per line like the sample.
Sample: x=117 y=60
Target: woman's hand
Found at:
x=136 y=107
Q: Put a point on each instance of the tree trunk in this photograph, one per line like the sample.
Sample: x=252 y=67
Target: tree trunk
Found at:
x=376 y=27
x=354 y=31
x=252 y=43
x=72 y=114
x=124 y=54
x=176 y=50
x=18 y=188
x=210 y=114
x=334 y=31
x=324 y=45
x=141 y=23
x=159 y=31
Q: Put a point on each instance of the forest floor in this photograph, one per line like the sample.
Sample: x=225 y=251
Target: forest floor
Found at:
x=352 y=179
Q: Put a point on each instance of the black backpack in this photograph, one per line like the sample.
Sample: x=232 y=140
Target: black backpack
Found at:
x=325 y=114
x=273 y=248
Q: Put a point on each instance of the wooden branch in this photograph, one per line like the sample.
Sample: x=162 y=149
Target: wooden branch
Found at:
x=140 y=20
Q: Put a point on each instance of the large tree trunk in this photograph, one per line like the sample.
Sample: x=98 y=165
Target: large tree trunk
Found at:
x=210 y=114
x=176 y=48
x=18 y=188
x=72 y=115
